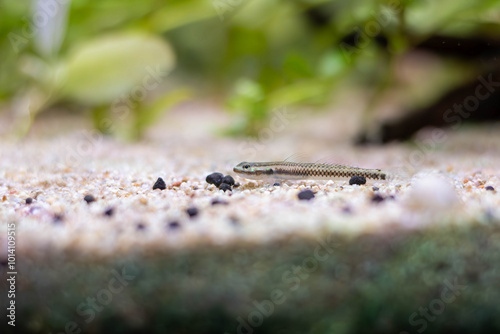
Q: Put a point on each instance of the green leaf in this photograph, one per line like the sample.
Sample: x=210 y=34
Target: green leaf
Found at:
x=247 y=94
x=296 y=66
x=331 y=64
x=106 y=68
x=180 y=13
x=307 y=91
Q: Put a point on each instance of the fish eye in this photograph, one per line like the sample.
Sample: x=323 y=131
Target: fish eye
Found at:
x=246 y=166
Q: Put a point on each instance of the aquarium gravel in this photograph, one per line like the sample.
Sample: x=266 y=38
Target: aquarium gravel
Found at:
x=205 y=255
x=359 y=180
x=52 y=176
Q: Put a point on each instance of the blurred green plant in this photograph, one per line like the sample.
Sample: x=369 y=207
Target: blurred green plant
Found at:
x=111 y=74
x=259 y=54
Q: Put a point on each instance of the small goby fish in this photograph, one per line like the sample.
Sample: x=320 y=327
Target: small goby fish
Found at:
x=285 y=170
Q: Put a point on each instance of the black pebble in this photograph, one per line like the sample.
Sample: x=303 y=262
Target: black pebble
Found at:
x=141 y=226
x=276 y=184
x=228 y=179
x=192 y=211
x=89 y=199
x=174 y=225
x=234 y=221
x=356 y=179
x=375 y=188
x=159 y=184
x=487 y=188
x=377 y=198
x=29 y=200
x=225 y=187
x=217 y=201
x=306 y=195
x=58 y=218
x=215 y=178
x=109 y=212
x=236 y=185
x=346 y=210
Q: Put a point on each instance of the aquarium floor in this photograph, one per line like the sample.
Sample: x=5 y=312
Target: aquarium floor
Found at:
x=210 y=267
x=442 y=179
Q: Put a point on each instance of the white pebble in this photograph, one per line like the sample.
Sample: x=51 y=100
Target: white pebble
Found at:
x=432 y=193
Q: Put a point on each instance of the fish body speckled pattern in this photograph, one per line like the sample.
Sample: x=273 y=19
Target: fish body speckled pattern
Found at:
x=303 y=171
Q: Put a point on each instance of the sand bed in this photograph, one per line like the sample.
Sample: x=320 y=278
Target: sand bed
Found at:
x=447 y=186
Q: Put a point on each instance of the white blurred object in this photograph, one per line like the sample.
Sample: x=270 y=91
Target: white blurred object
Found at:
x=49 y=22
x=432 y=193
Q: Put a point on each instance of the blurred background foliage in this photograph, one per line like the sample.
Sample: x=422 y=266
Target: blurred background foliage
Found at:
x=127 y=63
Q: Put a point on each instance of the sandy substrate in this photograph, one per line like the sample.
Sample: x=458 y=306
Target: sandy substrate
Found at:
x=446 y=182
x=438 y=182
